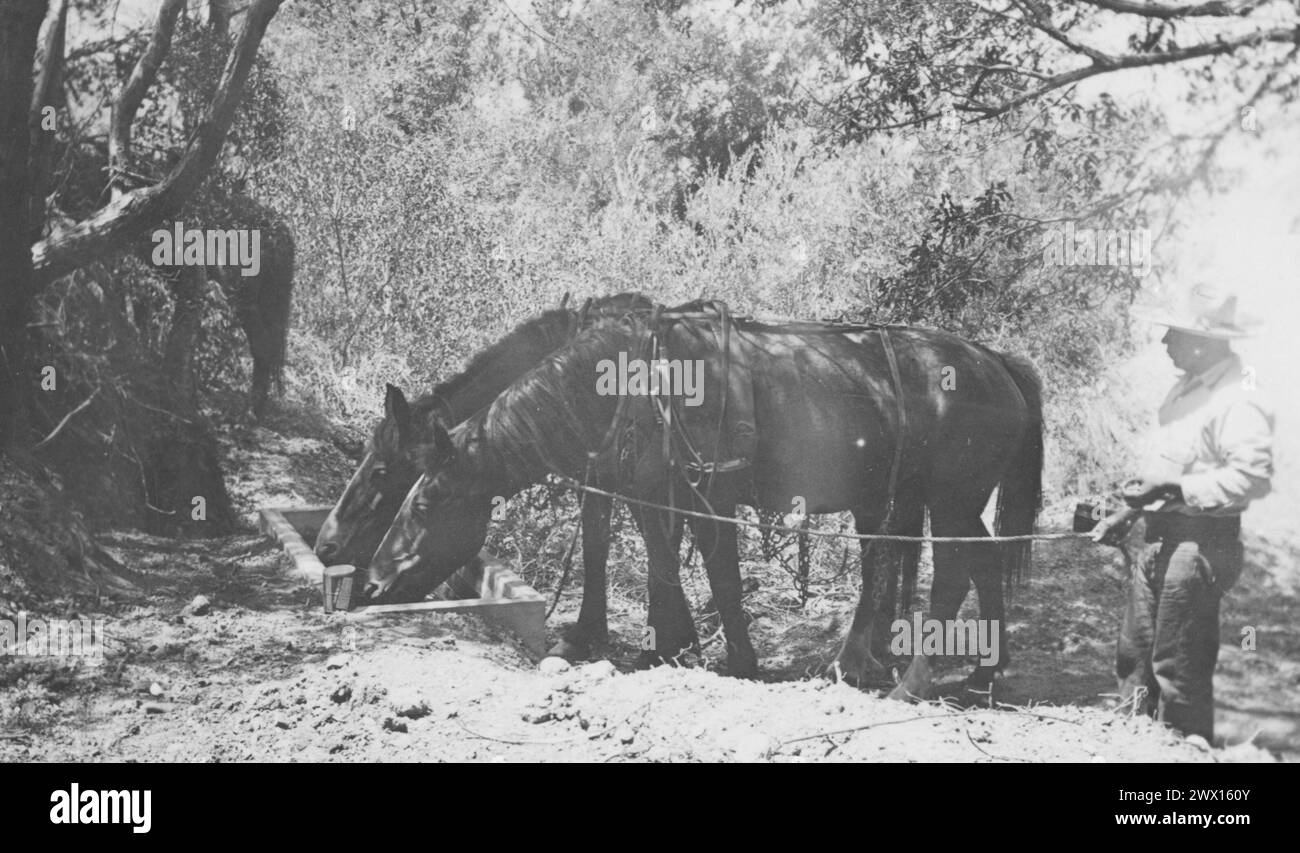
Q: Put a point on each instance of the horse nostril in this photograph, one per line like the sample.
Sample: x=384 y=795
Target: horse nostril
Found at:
x=327 y=551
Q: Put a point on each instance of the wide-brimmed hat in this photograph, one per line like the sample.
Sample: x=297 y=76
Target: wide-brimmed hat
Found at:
x=1208 y=312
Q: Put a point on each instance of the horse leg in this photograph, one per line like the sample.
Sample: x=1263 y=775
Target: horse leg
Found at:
x=855 y=662
x=591 y=629
x=717 y=542
x=986 y=571
x=670 y=629
x=952 y=581
x=901 y=560
x=883 y=562
x=241 y=296
x=244 y=297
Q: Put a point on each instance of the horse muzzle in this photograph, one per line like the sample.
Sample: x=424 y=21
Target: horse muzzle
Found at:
x=382 y=583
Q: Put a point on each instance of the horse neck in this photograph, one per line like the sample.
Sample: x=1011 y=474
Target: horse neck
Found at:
x=494 y=369
x=550 y=420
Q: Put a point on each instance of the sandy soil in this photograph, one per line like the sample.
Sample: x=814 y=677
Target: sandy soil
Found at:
x=263 y=674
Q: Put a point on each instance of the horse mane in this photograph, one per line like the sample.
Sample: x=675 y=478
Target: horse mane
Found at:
x=434 y=406
x=544 y=333
x=550 y=418
x=545 y=330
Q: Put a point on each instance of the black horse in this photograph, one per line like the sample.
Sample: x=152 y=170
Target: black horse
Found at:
x=366 y=509
x=830 y=405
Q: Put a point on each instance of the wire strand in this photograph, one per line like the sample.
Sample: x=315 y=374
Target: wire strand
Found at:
x=825 y=534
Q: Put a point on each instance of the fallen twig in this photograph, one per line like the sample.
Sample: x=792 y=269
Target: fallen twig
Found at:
x=969 y=713
x=966 y=729
x=59 y=428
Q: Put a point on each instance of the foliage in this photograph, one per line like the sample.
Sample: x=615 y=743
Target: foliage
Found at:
x=683 y=152
x=451 y=168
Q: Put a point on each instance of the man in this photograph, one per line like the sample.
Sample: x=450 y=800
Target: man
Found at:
x=1209 y=456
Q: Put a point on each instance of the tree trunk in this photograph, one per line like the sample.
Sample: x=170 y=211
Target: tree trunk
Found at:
x=187 y=315
x=20 y=22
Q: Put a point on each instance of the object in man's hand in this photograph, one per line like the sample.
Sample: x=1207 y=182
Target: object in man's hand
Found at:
x=1086 y=516
x=1114 y=527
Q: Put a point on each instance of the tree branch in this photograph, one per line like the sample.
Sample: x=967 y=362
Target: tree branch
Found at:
x=69 y=416
x=1169 y=12
x=1220 y=47
x=122 y=219
x=1039 y=17
x=128 y=102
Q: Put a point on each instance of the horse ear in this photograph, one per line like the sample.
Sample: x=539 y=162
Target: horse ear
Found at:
x=436 y=455
x=395 y=405
x=565 y=300
x=442 y=444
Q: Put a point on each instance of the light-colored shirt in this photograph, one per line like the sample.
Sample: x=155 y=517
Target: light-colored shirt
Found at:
x=1214 y=437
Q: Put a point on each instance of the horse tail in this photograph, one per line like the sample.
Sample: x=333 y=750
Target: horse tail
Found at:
x=1021 y=490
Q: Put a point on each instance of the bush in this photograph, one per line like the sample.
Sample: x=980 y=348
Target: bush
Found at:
x=679 y=153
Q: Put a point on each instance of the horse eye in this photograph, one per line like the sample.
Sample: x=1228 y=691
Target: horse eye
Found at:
x=377 y=473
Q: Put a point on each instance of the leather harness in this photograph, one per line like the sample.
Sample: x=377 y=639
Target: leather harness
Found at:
x=735 y=438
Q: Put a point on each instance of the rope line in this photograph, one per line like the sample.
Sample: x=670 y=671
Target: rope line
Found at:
x=825 y=534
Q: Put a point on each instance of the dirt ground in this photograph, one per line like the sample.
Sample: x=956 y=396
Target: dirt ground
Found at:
x=262 y=674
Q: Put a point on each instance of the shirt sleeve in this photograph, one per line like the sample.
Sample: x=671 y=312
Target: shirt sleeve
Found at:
x=1244 y=447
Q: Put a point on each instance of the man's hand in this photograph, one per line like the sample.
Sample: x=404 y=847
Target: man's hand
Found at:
x=1141 y=491
x=1112 y=529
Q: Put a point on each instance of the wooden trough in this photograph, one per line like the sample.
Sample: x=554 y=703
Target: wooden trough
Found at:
x=487 y=586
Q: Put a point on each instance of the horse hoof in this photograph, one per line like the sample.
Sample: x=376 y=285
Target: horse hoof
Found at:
x=907 y=693
x=570 y=651
x=685 y=657
x=912 y=690
x=978 y=688
x=576 y=643
x=858 y=673
x=743 y=669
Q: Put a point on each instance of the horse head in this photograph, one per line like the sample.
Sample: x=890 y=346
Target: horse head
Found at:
x=440 y=526
x=357 y=523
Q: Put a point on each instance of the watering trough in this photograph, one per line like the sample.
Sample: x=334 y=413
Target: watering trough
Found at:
x=486 y=586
